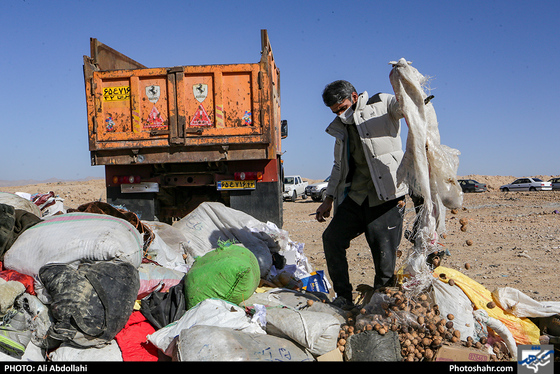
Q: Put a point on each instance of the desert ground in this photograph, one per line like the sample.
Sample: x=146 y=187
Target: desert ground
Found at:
x=515 y=236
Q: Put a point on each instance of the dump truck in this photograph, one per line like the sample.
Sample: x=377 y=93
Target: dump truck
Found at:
x=171 y=138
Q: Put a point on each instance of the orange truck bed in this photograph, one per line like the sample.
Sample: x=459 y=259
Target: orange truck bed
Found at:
x=157 y=130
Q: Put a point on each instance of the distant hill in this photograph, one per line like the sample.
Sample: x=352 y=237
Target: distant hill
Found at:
x=26 y=182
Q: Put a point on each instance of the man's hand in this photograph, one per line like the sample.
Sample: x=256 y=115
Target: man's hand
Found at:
x=324 y=210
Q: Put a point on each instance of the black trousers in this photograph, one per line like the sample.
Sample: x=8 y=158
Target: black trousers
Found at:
x=382 y=226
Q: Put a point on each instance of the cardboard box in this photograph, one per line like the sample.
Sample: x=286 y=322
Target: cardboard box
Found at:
x=334 y=355
x=460 y=353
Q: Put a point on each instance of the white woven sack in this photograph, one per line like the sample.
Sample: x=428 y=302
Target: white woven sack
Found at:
x=521 y=305
x=295 y=300
x=165 y=255
x=19 y=202
x=211 y=343
x=318 y=332
x=210 y=312
x=453 y=300
x=213 y=222
x=67 y=352
x=74 y=237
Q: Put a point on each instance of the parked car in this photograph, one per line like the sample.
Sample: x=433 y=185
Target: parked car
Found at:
x=555 y=183
x=317 y=190
x=294 y=187
x=527 y=184
x=470 y=185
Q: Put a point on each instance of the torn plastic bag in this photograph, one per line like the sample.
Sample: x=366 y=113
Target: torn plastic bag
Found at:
x=211 y=223
x=168 y=246
x=48 y=203
x=288 y=256
x=316 y=282
x=428 y=167
x=519 y=304
x=37 y=318
x=154 y=277
x=210 y=312
x=74 y=237
x=212 y=343
x=163 y=308
x=92 y=303
x=500 y=328
x=316 y=331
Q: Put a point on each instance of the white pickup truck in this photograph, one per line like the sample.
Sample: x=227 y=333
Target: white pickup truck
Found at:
x=294 y=187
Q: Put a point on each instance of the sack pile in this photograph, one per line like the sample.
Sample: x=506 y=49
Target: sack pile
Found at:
x=97 y=284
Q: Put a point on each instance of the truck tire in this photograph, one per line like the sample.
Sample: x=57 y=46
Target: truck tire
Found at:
x=294 y=196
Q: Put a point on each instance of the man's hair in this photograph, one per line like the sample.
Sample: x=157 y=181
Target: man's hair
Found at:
x=337 y=91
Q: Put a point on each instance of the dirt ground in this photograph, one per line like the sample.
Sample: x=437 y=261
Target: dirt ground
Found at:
x=515 y=239
x=515 y=236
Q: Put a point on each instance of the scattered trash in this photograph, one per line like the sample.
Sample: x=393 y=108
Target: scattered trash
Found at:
x=98 y=284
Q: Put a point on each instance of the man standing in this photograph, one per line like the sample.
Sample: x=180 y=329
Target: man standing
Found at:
x=362 y=191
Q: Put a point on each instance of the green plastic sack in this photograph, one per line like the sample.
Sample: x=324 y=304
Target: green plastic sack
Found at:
x=230 y=272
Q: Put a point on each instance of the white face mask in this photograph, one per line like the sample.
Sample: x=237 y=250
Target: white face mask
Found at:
x=348 y=116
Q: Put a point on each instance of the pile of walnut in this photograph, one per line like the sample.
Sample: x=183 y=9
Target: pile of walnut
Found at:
x=420 y=335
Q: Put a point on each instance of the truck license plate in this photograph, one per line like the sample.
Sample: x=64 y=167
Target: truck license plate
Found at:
x=237 y=185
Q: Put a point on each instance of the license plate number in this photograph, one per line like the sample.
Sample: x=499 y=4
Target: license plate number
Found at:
x=236 y=185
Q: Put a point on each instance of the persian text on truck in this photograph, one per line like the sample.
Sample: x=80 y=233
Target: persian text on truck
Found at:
x=171 y=138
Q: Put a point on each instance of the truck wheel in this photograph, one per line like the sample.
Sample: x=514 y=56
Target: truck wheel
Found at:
x=304 y=196
x=294 y=196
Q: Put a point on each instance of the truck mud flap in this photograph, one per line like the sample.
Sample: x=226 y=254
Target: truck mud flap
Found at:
x=263 y=203
x=143 y=204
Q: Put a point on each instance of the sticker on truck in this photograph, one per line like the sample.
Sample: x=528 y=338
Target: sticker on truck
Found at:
x=154 y=120
x=237 y=185
x=116 y=93
x=219 y=116
x=201 y=118
x=200 y=91
x=153 y=92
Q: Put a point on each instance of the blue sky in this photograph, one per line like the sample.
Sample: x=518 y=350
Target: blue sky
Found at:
x=493 y=66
